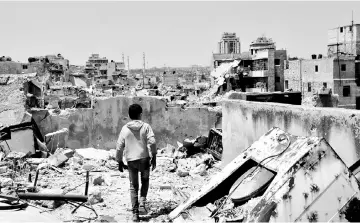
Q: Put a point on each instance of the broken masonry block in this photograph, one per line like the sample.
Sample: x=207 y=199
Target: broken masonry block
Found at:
x=56 y=139
x=99 y=180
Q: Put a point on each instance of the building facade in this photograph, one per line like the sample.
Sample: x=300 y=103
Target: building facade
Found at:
x=264 y=69
x=336 y=74
x=344 y=40
x=101 y=68
x=229 y=44
x=229 y=49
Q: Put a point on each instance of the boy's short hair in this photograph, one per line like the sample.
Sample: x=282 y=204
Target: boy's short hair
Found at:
x=134 y=111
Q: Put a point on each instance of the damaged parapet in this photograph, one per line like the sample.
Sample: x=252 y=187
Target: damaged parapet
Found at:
x=281 y=178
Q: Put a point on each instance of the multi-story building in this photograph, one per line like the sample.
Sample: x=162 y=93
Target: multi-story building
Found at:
x=229 y=49
x=94 y=63
x=263 y=67
x=344 y=40
x=101 y=68
x=338 y=73
x=229 y=44
x=335 y=74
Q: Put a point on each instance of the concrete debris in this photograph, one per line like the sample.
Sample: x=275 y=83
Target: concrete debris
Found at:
x=15 y=155
x=3 y=169
x=35 y=161
x=98 y=180
x=6 y=182
x=56 y=139
x=95 y=196
x=59 y=157
x=182 y=173
x=51 y=204
x=293 y=159
x=42 y=166
x=94 y=154
x=112 y=164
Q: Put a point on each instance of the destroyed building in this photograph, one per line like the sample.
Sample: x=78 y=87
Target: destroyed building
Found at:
x=229 y=49
x=100 y=68
x=344 y=40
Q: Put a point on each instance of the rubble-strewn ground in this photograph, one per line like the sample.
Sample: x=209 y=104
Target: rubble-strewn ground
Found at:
x=114 y=191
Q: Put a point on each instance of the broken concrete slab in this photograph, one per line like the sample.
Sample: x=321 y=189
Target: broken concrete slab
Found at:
x=35 y=161
x=22 y=140
x=57 y=159
x=297 y=162
x=56 y=139
x=95 y=154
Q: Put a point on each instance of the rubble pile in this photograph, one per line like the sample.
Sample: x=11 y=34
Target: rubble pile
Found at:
x=49 y=181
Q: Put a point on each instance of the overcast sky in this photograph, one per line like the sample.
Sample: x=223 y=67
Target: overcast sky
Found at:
x=171 y=33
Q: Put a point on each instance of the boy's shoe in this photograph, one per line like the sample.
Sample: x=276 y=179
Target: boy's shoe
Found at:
x=135 y=218
x=142 y=208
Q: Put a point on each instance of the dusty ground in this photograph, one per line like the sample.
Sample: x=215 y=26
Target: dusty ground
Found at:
x=115 y=192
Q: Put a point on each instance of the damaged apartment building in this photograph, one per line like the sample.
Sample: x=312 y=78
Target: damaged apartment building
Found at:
x=100 y=68
x=338 y=73
x=259 y=70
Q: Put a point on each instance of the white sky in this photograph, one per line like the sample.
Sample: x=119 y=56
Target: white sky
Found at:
x=171 y=33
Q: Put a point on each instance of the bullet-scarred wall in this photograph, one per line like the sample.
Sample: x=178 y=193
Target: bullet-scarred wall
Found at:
x=243 y=122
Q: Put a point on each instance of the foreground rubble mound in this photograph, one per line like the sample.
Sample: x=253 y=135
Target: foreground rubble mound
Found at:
x=57 y=183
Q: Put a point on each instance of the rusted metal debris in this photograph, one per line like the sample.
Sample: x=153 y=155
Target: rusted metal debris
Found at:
x=300 y=165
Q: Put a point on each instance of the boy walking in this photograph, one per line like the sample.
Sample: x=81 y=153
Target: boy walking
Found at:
x=137 y=141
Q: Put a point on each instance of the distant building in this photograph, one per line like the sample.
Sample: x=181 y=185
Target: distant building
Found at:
x=170 y=79
x=229 y=49
x=263 y=67
x=335 y=74
x=344 y=40
x=229 y=44
x=101 y=68
x=339 y=73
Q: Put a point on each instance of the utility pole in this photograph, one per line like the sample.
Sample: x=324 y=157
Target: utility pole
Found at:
x=143 y=68
x=128 y=67
x=123 y=57
x=352 y=32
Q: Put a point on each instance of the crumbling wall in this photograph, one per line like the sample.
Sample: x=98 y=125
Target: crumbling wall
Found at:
x=100 y=127
x=292 y=75
x=10 y=67
x=243 y=122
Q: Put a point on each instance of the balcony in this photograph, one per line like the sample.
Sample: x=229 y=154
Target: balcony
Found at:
x=257 y=73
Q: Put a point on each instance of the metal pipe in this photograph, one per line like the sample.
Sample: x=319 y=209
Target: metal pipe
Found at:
x=87 y=183
x=55 y=197
x=36 y=177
